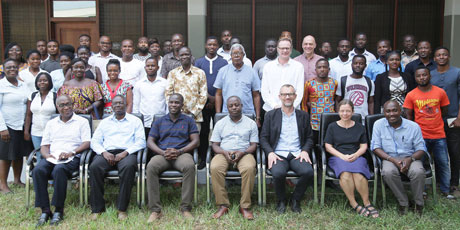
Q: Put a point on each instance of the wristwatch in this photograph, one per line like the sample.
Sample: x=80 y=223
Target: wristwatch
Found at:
x=412 y=159
x=73 y=153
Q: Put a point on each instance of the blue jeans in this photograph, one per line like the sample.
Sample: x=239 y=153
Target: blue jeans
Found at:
x=37 y=141
x=438 y=148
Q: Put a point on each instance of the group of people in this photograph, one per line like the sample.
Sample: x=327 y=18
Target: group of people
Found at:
x=285 y=91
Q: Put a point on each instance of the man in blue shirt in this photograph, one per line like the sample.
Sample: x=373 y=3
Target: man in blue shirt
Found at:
x=116 y=142
x=378 y=66
x=448 y=78
x=210 y=64
x=172 y=138
x=400 y=145
x=424 y=52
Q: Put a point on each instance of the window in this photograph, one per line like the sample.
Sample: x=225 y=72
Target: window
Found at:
x=163 y=18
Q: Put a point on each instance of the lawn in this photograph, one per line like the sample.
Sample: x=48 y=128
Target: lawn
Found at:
x=336 y=214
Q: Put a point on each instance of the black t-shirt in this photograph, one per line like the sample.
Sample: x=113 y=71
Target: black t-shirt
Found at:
x=344 y=140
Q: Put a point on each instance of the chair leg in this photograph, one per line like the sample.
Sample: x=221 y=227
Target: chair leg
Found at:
x=138 y=193
x=208 y=192
x=264 y=186
x=383 y=191
x=433 y=181
x=315 y=185
x=195 y=193
x=259 y=192
x=27 y=187
x=374 y=195
x=323 y=186
x=86 y=186
x=80 y=176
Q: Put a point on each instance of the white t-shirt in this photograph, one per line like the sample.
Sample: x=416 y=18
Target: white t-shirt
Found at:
x=27 y=77
x=357 y=90
x=131 y=71
x=41 y=113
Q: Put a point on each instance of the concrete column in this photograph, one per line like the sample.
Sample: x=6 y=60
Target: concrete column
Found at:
x=196 y=15
x=452 y=30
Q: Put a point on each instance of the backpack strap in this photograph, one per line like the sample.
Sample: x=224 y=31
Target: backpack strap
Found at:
x=33 y=95
x=343 y=83
x=369 y=84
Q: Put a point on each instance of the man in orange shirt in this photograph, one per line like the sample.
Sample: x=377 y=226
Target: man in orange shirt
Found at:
x=426 y=104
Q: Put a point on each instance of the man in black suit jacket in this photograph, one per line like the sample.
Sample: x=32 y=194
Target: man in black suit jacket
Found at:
x=287 y=140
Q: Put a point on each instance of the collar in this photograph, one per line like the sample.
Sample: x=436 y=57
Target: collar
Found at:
x=8 y=84
x=379 y=61
x=111 y=55
x=340 y=60
x=73 y=118
x=404 y=53
x=287 y=64
x=181 y=117
x=190 y=71
x=145 y=79
x=238 y=122
x=285 y=115
x=353 y=53
x=309 y=59
x=113 y=118
x=211 y=60
x=221 y=50
x=403 y=124
x=235 y=69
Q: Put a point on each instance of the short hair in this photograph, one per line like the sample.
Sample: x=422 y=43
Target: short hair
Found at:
x=322 y=43
x=122 y=97
x=358 y=56
x=390 y=102
x=343 y=39
x=113 y=62
x=322 y=59
x=270 y=40
x=234 y=96
x=360 y=33
x=67 y=54
x=167 y=40
x=75 y=60
x=48 y=77
x=212 y=37
x=84 y=35
x=52 y=40
x=422 y=67
x=284 y=39
x=151 y=58
x=84 y=47
x=423 y=41
x=237 y=46
x=67 y=48
x=346 y=102
x=236 y=37
x=287 y=86
x=32 y=51
x=10 y=59
x=40 y=40
x=441 y=48
x=384 y=40
x=177 y=95
x=152 y=41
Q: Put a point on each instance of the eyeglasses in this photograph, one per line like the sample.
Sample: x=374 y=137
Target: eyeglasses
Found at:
x=65 y=105
x=287 y=94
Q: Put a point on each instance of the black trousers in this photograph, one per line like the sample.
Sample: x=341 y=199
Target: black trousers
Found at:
x=208 y=114
x=453 y=146
x=126 y=171
x=60 y=173
x=279 y=171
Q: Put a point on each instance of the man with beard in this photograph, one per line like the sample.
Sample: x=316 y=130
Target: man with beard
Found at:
x=448 y=78
x=100 y=59
x=424 y=60
x=360 y=48
x=325 y=50
x=172 y=60
x=426 y=105
x=341 y=65
x=270 y=55
x=143 y=47
x=131 y=70
x=52 y=47
x=409 y=52
x=357 y=88
x=378 y=66
x=210 y=63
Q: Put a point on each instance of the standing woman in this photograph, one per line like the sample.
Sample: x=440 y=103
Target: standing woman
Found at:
x=29 y=74
x=347 y=143
x=116 y=86
x=13 y=147
x=14 y=51
x=85 y=93
x=392 y=84
x=91 y=72
x=65 y=58
x=40 y=106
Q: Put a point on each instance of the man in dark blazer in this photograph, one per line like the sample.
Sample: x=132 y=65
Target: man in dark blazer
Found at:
x=287 y=140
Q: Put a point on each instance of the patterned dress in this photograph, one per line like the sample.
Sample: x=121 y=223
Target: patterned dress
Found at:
x=83 y=97
x=108 y=93
x=321 y=97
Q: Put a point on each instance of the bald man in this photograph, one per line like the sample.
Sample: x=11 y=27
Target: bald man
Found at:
x=308 y=58
x=100 y=59
x=131 y=69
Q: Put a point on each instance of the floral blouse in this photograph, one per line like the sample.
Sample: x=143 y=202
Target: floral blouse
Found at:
x=82 y=97
x=108 y=94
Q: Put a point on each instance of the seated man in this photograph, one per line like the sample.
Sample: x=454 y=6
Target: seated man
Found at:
x=172 y=138
x=287 y=140
x=400 y=145
x=64 y=138
x=234 y=142
x=116 y=142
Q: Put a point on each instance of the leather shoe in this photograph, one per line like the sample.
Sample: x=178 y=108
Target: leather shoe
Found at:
x=154 y=216
x=246 y=214
x=402 y=210
x=187 y=214
x=57 y=218
x=44 y=217
x=281 y=207
x=122 y=215
x=222 y=211
x=295 y=206
x=419 y=209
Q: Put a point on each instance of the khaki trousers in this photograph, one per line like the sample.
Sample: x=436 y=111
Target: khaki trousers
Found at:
x=247 y=168
x=157 y=165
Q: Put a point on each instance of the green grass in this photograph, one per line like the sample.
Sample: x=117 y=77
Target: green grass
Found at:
x=336 y=214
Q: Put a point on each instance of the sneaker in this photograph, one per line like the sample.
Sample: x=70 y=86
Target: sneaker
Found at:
x=448 y=196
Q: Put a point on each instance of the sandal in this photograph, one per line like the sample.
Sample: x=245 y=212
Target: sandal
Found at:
x=372 y=211
x=360 y=210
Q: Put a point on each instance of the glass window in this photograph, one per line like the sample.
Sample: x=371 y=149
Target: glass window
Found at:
x=80 y=9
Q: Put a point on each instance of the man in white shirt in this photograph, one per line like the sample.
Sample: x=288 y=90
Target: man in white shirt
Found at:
x=341 y=65
x=131 y=70
x=360 y=48
x=224 y=51
x=64 y=138
x=100 y=59
x=283 y=70
x=149 y=94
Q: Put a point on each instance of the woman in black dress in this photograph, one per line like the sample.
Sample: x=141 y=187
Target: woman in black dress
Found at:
x=346 y=141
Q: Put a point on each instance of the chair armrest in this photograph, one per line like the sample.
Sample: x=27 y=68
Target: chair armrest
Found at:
x=430 y=160
x=208 y=155
x=195 y=155
x=258 y=153
x=31 y=158
x=313 y=156
x=89 y=156
x=144 y=156
x=83 y=157
x=262 y=154
x=374 y=158
x=139 y=155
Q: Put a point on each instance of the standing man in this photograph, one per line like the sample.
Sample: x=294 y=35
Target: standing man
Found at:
x=287 y=34
x=210 y=63
x=287 y=141
x=360 y=48
x=167 y=47
x=190 y=82
x=426 y=105
x=319 y=96
x=283 y=70
x=400 y=145
x=155 y=51
x=143 y=48
x=270 y=55
x=234 y=142
x=116 y=142
x=424 y=60
x=41 y=47
x=149 y=94
x=341 y=65
x=172 y=59
x=224 y=50
x=52 y=47
x=448 y=78
x=100 y=59
x=237 y=40
x=325 y=50
x=131 y=70
x=308 y=58
x=357 y=88
x=85 y=40
x=172 y=138
x=238 y=79
x=64 y=138
x=409 y=52
x=378 y=66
